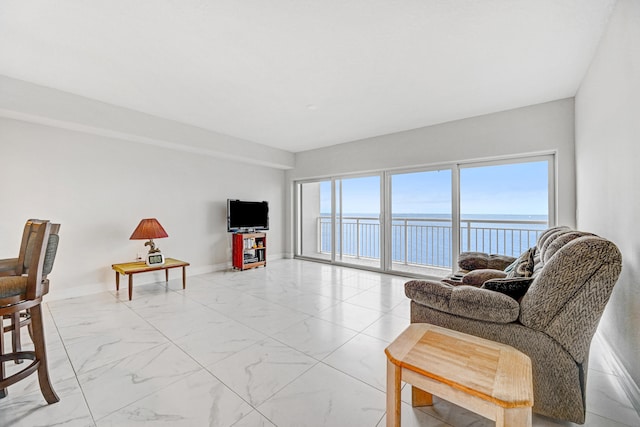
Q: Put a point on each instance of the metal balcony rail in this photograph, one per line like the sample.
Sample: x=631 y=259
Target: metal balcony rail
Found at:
x=427 y=241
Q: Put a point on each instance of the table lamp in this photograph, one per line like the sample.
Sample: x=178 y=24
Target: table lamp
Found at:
x=150 y=228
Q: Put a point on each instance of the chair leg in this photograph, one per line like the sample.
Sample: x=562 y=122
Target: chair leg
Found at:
x=3 y=392
x=29 y=328
x=41 y=355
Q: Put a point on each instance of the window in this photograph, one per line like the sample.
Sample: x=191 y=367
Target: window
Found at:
x=503 y=207
x=417 y=221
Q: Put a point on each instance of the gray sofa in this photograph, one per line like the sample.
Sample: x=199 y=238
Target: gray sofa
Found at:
x=554 y=321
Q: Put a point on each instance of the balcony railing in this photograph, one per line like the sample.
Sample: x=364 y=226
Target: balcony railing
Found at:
x=428 y=241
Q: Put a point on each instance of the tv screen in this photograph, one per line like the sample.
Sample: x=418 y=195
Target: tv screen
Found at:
x=243 y=215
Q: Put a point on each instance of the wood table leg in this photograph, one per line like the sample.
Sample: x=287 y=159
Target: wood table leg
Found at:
x=184 y=280
x=520 y=417
x=394 y=375
x=420 y=397
x=117 y=281
x=166 y=274
x=130 y=286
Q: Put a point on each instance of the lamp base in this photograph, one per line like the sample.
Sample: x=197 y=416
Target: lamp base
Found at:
x=152 y=246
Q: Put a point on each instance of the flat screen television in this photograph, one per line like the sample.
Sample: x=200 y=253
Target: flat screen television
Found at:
x=247 y=216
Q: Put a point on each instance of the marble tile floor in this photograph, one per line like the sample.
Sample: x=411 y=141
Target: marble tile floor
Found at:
x=294 y=344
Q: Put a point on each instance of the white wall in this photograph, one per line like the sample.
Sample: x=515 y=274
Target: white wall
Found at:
x=99 y=188
x=38 y=104
x=539 y=128
x=608 y=176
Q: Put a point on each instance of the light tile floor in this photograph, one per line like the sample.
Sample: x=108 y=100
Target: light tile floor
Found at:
x=294 y=344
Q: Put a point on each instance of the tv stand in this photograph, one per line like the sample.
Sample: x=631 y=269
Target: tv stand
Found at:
x=249 y=250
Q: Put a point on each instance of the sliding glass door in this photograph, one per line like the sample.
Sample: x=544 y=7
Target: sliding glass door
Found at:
x=418 y=221
x=421 y=222
x=358 y=221
x=339 y=220
x=315 y=224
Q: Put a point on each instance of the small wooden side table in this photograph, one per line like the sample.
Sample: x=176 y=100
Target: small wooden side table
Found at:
x=488 y=378
x=132 y=268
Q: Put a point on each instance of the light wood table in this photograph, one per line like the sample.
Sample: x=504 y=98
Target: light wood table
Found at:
x=132 y=268
x=488 y=378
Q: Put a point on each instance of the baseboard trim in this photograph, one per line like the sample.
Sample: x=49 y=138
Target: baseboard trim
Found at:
x=629 y=386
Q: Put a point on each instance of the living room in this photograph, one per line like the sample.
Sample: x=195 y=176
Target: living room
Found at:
x=98 y=168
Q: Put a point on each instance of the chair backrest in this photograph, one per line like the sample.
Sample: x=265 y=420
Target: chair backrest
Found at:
x=27 y=246
x=569 y=293
x=38 y=252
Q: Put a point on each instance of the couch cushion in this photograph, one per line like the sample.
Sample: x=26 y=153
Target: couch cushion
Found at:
x=559 y=240
x=478 y=277
x=476 y=260
x=549 y=237
x=548 y=232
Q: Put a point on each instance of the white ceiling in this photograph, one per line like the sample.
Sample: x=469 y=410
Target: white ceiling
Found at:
x=302 y=74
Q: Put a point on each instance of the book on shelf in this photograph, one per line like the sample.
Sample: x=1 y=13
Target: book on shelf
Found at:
x=249 y=243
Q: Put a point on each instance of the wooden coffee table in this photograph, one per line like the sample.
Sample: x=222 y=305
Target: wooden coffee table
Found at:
x=132 y=268
x=488 y=378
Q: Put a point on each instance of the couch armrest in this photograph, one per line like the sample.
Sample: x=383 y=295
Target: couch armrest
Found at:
x=8 y=266
x=464 y=301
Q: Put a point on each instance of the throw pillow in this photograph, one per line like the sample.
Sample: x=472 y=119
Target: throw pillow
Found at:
x=515 y=288
x=523 y=266
x=478 y=277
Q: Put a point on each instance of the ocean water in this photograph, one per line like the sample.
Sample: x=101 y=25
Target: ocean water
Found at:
x=426 y=239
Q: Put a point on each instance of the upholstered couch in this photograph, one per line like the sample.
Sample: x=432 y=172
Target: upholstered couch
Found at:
x=552 y=319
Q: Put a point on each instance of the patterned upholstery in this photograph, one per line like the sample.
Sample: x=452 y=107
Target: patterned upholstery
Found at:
x=523 y=266
x=556 y=319
x=50 y=255
x=476 y=260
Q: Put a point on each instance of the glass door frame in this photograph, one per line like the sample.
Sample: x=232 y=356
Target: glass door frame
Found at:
x=388 y=208
x=386 y=204
x=336 y=218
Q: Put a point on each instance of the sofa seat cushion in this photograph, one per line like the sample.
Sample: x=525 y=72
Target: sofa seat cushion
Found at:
x=465 y=301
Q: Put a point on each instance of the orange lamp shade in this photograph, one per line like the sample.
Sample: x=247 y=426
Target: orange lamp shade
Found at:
x=148 y=228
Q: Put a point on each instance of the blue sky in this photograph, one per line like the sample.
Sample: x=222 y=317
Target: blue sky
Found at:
x=513 y=189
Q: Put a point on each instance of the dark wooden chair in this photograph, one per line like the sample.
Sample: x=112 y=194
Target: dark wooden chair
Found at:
x=17 y=267
x=21 y=291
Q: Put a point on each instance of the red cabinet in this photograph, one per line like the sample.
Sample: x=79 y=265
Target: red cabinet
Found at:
x=249 y=250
